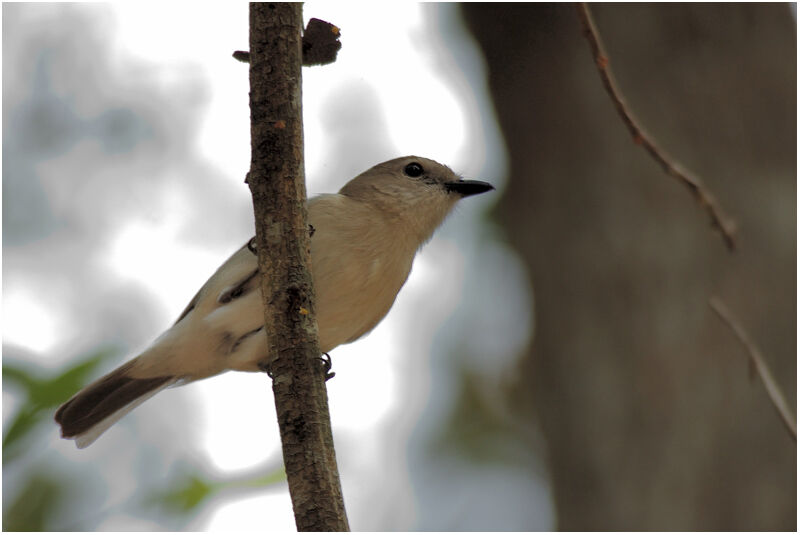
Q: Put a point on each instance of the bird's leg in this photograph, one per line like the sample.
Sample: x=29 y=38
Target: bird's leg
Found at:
x=327 y=363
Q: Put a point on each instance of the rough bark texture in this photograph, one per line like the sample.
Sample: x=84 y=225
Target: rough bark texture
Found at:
x=642 y=393
x=277 y=183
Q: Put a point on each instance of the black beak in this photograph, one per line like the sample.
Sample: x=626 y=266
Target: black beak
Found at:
x=465 y=188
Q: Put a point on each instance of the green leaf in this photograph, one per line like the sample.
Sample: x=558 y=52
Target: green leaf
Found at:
x=51 y=392
x=55 y=391
x=19 y=375
x=272 y=478
x=33 y=507
x=194 y=490
x=40 y=396
x=187 y=495
x=21 y=425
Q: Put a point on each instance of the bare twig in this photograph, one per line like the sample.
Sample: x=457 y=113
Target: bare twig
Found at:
x=725 y=225
x=774 y=391
x=277 y=183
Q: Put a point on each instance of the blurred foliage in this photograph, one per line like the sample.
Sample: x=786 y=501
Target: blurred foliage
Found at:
x=41 y=395
x=192 y=490
x=187 y=495
x=34 y=506
x=479 y=427
x=34 y=502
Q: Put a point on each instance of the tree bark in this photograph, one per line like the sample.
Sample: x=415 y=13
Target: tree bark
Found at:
x=650 y=421
x=277 y=183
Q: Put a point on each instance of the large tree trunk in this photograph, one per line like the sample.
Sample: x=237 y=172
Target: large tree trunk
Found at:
x=642 y=393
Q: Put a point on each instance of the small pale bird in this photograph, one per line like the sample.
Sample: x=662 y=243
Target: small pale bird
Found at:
x=363 y=242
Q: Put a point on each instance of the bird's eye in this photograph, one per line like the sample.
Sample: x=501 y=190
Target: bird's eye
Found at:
x=413 y=170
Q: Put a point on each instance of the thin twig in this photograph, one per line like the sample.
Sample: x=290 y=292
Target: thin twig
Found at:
x=719 y=220
x=757 y=360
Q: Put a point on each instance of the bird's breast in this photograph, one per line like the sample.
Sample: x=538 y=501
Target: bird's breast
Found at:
x=356 y=284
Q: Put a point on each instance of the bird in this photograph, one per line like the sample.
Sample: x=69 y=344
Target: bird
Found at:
x=363 y=243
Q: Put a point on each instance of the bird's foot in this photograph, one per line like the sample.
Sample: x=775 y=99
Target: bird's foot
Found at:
x=327 y=363
x=266 y=367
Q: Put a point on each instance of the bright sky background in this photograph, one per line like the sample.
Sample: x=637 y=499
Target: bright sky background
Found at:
x=418 y=84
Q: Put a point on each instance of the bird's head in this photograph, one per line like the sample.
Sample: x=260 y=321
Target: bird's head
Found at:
x=414 y=190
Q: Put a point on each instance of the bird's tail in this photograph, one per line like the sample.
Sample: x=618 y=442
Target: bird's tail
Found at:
x=90 y=412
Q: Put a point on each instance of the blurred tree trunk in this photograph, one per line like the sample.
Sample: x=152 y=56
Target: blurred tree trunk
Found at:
x=642 y=394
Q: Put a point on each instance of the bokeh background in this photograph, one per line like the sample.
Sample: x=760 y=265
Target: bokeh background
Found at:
x=618 y=402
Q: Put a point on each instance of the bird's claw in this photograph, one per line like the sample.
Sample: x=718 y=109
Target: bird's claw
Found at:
x=327 y=363
x=265 y=367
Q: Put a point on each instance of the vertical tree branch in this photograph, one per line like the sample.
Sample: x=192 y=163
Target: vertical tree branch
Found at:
x=277 y=184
